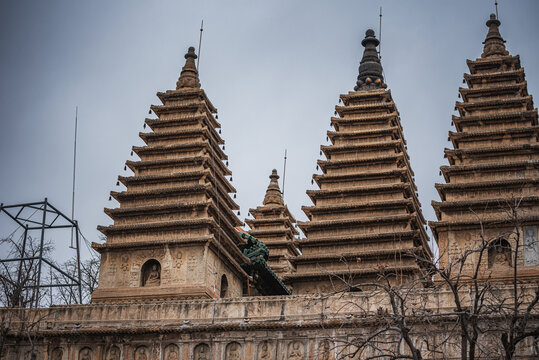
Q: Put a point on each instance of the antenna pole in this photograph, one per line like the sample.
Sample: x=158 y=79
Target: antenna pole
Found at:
x=284 y=172
x=74 y=168
x=200 y=42
x=380 y=35
x=496 y=5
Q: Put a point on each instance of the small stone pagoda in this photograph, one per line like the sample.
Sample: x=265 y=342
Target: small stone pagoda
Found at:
x=366 y=218
x=274 y=226
x=174 y=233
x=491 y=185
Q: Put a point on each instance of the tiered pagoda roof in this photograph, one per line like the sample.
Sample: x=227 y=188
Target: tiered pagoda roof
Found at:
x=273 y=224
x=366 y=215
x=494 y=161
x=178 y=194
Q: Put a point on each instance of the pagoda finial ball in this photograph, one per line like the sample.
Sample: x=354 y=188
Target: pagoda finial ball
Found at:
x=369 y=32
x=492 y=16
x=191 y=53
x=368 y=80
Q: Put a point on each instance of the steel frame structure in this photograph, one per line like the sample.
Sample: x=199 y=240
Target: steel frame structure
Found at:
x=51 y=218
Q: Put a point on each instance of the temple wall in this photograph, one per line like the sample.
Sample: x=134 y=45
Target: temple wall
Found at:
x=278 y=328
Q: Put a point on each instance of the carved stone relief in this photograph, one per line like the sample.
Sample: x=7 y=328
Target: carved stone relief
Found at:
x=85 y=354
x=296 y=351
x=531 y=246
x=114 y=353
x=57 y=354
x=265 y=351
x=172 y=352
x=233 y=351
x=142 y=353
x=202 y=352
x=324 y=350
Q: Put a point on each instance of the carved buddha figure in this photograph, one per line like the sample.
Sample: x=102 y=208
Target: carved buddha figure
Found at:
x=151 y=274
x=85 y=354
x=202 y=352
x=263 y=351
x=233 y=352
x=141 y=354
x=57 y=354
x=295 y=352
x=114 y=353
x=172 y=353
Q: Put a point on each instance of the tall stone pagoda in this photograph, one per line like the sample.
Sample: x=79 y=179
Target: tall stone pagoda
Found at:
x=366 y=216
x=174 y=233
x=273 y=224
x=493 y=166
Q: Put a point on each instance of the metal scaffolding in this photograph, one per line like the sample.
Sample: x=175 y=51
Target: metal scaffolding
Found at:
x=44 y=217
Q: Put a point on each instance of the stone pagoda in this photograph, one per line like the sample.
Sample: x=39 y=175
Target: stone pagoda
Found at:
x=366 y=218
x=492 y=180
x=174 y=233
x=274 y=226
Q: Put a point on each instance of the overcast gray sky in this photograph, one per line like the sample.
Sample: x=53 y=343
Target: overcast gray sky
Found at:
x=274 y=69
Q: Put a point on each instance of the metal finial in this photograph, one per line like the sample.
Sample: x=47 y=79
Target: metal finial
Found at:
x=496 y=6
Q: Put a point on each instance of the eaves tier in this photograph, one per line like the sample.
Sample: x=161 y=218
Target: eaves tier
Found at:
x=366 y=215
x=179 y=191
x=494 y=162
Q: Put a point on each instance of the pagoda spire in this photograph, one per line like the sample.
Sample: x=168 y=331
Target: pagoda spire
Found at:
x=174 y=233
x=366 y=213
x=273 y=224
x=370 y=69
x=493 y=162
x=189 y=75
x=273 y=193
x=494 y=43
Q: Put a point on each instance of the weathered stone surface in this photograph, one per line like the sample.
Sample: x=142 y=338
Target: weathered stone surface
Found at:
x=492 y=181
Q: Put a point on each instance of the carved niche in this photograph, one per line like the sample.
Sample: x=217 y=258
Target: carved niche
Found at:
x=265 y=351
x=57 y=354
x=296 y=351
x=172 y=352
x=151 y=273
x=499 y=254
x=324 y=350
x=233 y=351
x=85 y=354
x=202 y=352
x=142 y=353
x=114 y=353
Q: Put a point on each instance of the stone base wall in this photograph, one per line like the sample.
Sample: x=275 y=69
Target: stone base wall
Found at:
x=277 y=328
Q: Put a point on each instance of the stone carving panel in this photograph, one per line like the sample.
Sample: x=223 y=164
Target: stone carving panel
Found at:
x=142 y=353
x=202 y=352
x=172 y=352
x=531 y=246
x=57 y=354
x=233 y=351
x=296 y=351
x=324 y=350
x=86 y=354
x=114 y=353
x=265 y=351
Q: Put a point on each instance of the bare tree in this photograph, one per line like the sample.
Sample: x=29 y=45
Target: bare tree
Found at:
x=482 y=315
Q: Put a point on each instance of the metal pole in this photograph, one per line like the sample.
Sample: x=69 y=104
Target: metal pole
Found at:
x=200 y=43
x=74 y=168
x=284 y=172
x=78 y=260
x=42 y=241
x=23 y=252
